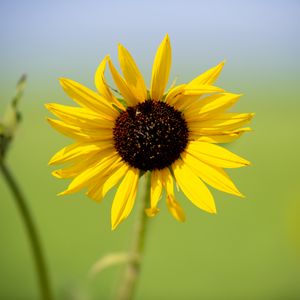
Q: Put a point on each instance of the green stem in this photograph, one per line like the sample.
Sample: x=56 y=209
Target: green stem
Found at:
x=133 y=268
x=31 y=233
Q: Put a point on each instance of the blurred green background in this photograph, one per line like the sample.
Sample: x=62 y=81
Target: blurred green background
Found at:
x=251 y=248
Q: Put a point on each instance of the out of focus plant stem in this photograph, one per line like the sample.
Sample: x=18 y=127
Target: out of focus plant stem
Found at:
x=8 y=127
x=132 y=269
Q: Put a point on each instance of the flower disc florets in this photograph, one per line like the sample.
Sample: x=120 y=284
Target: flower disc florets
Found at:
x=150 y=135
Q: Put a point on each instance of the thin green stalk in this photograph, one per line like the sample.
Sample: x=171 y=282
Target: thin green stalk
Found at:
x=32 y=233
x=133 y=267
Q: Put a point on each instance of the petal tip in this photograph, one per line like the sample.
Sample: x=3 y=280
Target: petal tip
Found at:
x=182 y=219
x=56 y=174
x=48 y=106
x=120 y=47
x=239 y=194
x=50 y=162
x=62 y=193
x=62 y=80
x=106 y=57
x=212 y=210
x=114 y=226
x=151 y=212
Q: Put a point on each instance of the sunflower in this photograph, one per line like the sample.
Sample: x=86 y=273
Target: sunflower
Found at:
x=174 y=135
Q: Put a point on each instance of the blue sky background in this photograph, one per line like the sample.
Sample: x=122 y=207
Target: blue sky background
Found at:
x=46 y=37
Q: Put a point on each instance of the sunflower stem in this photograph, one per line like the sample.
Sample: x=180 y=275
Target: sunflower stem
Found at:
x=133 y=267
x=32 y=233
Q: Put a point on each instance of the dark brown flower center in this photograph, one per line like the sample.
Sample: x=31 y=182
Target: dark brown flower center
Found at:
x=150 y=135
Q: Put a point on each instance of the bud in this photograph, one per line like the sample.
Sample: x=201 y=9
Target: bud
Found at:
x=11 y=118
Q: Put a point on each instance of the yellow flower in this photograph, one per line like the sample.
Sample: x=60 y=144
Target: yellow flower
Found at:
x=173 y=135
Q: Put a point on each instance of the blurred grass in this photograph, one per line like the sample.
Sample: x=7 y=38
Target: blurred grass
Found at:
x=249 y=250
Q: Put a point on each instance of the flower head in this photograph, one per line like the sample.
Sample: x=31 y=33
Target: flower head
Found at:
x=174 y=135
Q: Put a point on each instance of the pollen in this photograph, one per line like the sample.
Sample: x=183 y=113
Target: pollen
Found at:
x=150 y=135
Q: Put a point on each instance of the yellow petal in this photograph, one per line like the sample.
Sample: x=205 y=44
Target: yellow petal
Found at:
x=77 y=151
x=88 y=98
x=173 y=206
x=194 y=189
x=225 y=137
x=184 y=101
x=197 y=90
x=210 y=105
x=132 y=74
x=82 y=134
x=208 y=77
x=102 y=167
x=213 y=176
x=102 y=86
x=78 y=116
x=114 y=178
x=123 y=87
x=179 y=100
x=191 y=95
x=95 y=187
x=152 y=212
x=155 y=193
x=68 y=130
x=78 y=167
x=124 y=198
x=72 y=152
x=173 y=84
x=98 y=191
x=184 y=95
x=161 y=69
x=175 y=93
x=216 y=155
x=225 y=121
